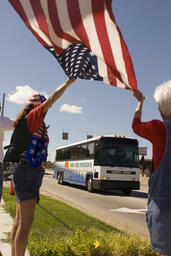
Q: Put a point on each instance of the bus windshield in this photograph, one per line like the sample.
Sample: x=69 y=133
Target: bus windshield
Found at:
x=116 y=154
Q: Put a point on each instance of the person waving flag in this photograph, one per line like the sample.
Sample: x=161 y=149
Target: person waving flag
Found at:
x=83 y=36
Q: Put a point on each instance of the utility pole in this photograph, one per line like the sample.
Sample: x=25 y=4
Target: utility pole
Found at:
x=3 y=103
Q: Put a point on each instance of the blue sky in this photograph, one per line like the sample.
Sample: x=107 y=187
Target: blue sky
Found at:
x=103 y=109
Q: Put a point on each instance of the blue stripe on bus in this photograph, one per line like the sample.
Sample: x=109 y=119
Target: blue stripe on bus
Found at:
x=70 y=176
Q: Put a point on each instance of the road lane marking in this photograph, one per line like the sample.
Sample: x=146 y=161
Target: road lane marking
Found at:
x=128 y=210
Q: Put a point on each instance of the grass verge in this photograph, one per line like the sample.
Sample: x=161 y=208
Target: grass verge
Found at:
x=60 y=230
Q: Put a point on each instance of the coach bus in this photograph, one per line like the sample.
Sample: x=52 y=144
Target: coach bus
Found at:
x=108 y=162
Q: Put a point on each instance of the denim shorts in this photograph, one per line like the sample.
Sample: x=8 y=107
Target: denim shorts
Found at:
x=159 y=225
x=27 y=181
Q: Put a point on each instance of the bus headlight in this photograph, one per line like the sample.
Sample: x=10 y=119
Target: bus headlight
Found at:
x=104 y=178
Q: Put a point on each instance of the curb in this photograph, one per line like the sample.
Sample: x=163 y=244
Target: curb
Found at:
x=6 y=222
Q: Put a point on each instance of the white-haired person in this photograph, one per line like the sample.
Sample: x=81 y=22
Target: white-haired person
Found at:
x=159 y=196
x=28 y=152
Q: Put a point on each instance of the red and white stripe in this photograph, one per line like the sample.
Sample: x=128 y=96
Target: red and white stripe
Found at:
x=41 y=133
x=60 y=23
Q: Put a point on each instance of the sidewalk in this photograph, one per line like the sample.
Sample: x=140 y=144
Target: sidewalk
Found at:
x=5 y=228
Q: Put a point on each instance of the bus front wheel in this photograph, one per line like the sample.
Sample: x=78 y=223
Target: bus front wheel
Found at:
x=126 y=191
x=90 y=184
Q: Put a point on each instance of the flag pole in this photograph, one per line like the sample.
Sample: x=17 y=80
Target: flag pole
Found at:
x=3 y=103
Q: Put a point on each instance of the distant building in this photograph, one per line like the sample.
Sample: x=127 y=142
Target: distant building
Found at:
x=89 y=137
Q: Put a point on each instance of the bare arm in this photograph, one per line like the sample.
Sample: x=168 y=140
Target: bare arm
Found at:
x=140 y=97
x=56 y=95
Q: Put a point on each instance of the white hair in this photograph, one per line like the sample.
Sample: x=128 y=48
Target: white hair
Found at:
x=162 y=96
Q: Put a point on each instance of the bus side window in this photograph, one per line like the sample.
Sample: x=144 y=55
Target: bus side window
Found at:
x=84 y=151
x=59 y=155
x=64 y=154
x=90 y=148
x=75 y=152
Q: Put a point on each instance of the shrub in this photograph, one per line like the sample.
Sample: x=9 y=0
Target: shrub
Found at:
x=92 y=243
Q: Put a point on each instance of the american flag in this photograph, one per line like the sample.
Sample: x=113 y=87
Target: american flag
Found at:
x=37 y=150
x=83 y=36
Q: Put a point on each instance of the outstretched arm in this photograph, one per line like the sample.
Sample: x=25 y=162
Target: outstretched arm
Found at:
x=56 y=95
x=140 y=97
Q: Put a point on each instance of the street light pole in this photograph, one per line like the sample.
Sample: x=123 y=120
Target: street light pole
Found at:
x=3 y=103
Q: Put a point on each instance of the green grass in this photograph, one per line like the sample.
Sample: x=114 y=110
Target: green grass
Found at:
x=60 y=230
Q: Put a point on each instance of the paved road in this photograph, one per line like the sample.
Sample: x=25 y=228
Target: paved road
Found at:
x=127 y=213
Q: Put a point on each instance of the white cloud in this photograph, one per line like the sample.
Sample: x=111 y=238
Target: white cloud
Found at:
x=71 y=109
x=22 y=94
